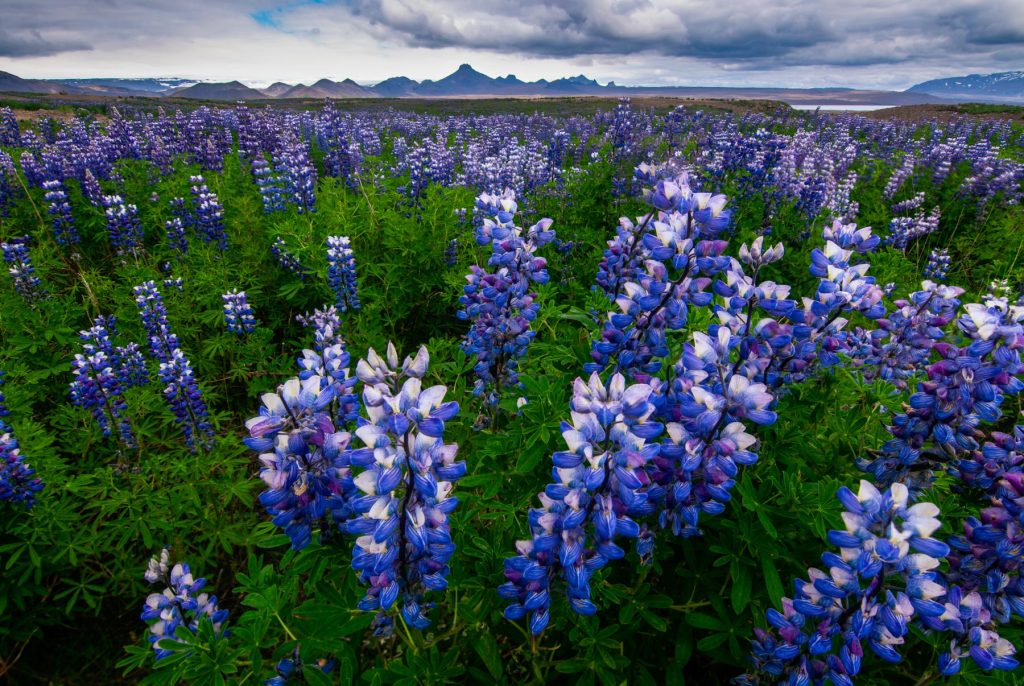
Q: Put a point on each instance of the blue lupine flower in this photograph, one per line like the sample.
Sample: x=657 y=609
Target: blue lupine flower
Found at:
x=61 y=219
x=237 y=313
x=18 y=482
x=298 y=174
x=286 y=259
x=679 y=253
x=180 y=387
x=601 y=483
x=499 y=304
x=293 y=666
x=123 y=226
x=270 y=185
x=938 y=264
x=341 y=273
x=404 y=541
x=326 y=325
x=305 y=464
x=26 y=283
x=176 y=235
x=208 y=214
x=883 y=581
x=97 y=387
x=180 y=604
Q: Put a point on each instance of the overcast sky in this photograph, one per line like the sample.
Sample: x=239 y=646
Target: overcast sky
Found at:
x=857 y=43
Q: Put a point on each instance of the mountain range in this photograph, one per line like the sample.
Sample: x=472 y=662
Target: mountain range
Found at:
x=1007 y=86
x=466 y=82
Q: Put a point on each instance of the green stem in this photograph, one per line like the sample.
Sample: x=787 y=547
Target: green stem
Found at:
x=285 y=626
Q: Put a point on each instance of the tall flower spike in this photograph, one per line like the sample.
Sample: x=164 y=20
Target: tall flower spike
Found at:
x=882 y=581
x=237 y=313
x=61 y=219
x=18 y=482
x=26 y=283
x=405 y=477
x=97 y=388
x=601 y=483
x=498 y=303
x=123 y=225
x=341 y=272
x=180 y=386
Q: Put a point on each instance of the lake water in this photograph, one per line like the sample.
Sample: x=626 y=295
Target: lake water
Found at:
x=842 y=108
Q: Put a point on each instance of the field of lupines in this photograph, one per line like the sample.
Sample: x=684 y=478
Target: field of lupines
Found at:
x=641 y=397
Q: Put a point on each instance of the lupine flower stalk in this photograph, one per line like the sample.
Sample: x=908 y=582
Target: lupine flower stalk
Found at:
x=180 y=604
x=97 y=388
x=341 y=273
x=404 y=475
x=237 y=313
x=938 y=264
x=123 y=225
x=208 y=213
x=59 y=209
x=18 y=482
x=286 y=259
x=498 y=303
x=180 y=387
x=883 y=580
x=16 y=254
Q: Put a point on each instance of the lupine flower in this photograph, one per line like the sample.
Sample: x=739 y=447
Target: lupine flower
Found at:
x=901 y=345
x=451 y=253
x=26 y=283
x=209 y=214
x=9 y=132
x=286 y=259
x=269 y=184
x=341 y=273
x=18 y=482
x=601 y=484
x=938 y=264
x=305 y=462
x=681 y=253
x=237 y=313
x=97 y=387
x=180 y=604
x=176 y=235
x=326 y=325
x=127 y=362
x=59 y=209
x=883 y=580
x=400 y=518
x=288 y=668
x=180 y=387
x=123 y=226
x=294 y=167
x=964 y=387
x=498 y=303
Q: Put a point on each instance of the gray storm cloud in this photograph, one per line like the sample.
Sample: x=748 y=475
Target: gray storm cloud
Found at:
x=641 y=41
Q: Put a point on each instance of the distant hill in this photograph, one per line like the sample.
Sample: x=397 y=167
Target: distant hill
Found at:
x=143 y=85
x=466 y=82
x=276 y=90
x=233 y=90
x=395 y=87
x=325 y=88
x=9 y=83
x=1007 y=86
